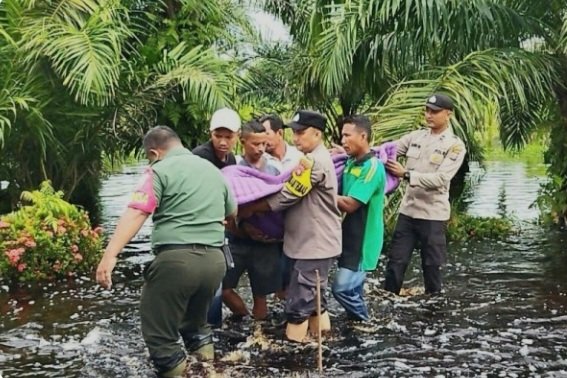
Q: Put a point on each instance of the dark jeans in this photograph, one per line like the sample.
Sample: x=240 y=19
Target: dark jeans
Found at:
x=178 y=289
x=301 y=300
x=409 y=232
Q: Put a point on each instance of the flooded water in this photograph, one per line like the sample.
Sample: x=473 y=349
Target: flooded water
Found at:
x=504 y=313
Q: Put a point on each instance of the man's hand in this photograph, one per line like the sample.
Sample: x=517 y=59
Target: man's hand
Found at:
x=395 y=168
x=104 y=271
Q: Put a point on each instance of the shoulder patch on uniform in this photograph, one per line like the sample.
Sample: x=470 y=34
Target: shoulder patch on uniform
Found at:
x=299 y=184
x=456 y=149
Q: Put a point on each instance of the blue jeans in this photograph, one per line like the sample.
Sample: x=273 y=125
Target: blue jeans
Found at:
x=348 y=290
x=214 y=316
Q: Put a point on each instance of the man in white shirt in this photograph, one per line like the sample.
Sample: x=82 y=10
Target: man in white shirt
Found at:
x=280 y=154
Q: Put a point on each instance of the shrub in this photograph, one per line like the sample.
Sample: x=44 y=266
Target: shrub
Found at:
x=47 y=238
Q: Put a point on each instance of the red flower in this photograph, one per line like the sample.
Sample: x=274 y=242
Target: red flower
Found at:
x=30 y=243
x=74 y=248
x=78 y=257
x=98 y=230
x=21 y=267
x=4 y=224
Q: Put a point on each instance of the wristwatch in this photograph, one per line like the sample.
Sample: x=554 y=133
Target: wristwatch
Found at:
x=406 y=175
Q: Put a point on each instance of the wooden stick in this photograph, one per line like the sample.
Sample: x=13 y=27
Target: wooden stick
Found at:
x=319 y=341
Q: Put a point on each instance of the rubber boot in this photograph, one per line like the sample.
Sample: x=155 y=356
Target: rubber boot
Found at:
x=296 y=332
x=178 y=371
x=314 y=323
x=205 y=353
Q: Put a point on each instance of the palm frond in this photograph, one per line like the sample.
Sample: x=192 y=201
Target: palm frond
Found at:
x=83 y=42
x=202 y=76
x=508 y=78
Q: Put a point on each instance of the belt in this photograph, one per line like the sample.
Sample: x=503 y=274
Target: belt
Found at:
x=172 y=247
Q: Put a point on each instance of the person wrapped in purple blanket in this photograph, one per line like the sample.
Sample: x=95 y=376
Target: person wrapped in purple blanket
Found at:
x=249 y=185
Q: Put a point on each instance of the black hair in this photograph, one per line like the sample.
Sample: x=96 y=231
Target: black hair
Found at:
x=361 y=122
x=160 y=137
x=252 y=127
x=276 y=122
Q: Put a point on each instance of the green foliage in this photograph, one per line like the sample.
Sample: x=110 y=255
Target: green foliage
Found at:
x=462 y=226
x=47 y=238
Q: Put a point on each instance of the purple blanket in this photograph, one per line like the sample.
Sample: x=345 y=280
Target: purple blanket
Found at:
x=249 y=185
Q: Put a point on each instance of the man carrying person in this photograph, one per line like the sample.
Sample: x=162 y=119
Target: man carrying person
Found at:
x=284 y=157
x=187 y=236
x=280 y=154
x=312 y=238
x=434 y=155
x=224 y=128
x=260 y=260
x=362 y=199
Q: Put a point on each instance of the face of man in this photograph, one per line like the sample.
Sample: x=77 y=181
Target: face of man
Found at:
x=223 y=140
x=274 y=138
x=306 y=140
x=353 y=140
x=437 y=119
x=254 y=146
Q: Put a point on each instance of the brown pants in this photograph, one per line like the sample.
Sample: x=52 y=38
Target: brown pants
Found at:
x=301 y=302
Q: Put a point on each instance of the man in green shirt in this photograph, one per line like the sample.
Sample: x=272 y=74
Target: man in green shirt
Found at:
x=362 y=199
x=188 y=233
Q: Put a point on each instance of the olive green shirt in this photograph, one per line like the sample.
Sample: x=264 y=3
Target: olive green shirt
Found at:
x=189 y=199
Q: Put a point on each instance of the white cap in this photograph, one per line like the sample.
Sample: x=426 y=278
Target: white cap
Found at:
x=225 y=118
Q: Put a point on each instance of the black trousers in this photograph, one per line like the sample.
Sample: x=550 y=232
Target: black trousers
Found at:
x=409 y=232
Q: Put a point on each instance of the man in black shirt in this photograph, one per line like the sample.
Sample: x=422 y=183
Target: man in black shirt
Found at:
x=225 y=125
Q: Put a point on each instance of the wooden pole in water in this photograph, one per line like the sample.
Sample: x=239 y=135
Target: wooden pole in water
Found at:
x=319 y=341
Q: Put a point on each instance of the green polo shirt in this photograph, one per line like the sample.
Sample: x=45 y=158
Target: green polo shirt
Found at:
x=189 y=199
x=363 y=230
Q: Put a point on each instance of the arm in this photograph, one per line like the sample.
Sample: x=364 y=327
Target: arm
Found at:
x=371 y=180
x=445 y=172
x=403 y=144
x=128 y=226
x=348 y=204
x=303 y=179
x=144 y=201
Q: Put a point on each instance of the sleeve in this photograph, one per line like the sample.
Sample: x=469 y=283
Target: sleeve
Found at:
x=447 y=170
x=147 y=195
x=309 y=174
x=230 y=205
x=371 y=179
x=403 y=144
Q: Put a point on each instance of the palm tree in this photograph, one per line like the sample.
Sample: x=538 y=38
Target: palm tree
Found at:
x=82 y=77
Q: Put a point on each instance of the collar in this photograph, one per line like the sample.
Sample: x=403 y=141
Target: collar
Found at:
x=177 y=151
x=361 y=161
x=447 y=133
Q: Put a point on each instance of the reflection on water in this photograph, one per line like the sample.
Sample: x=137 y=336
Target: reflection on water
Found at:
x=512 y=178
x=503 y=315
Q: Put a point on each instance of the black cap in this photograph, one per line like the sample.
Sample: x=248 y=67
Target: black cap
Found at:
x=439 y=101
x=304 y=119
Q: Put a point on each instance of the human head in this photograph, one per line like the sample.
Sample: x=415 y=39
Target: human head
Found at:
x=308 y=128
x=158 y=140
x=356 y=134
x=438 y=111
x=253 y=138
x=274 y=131
x=224 y=127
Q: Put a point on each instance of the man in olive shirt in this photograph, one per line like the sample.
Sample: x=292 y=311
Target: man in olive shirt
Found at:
x=434 y=156
x=312 y=237
x=188 y=233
